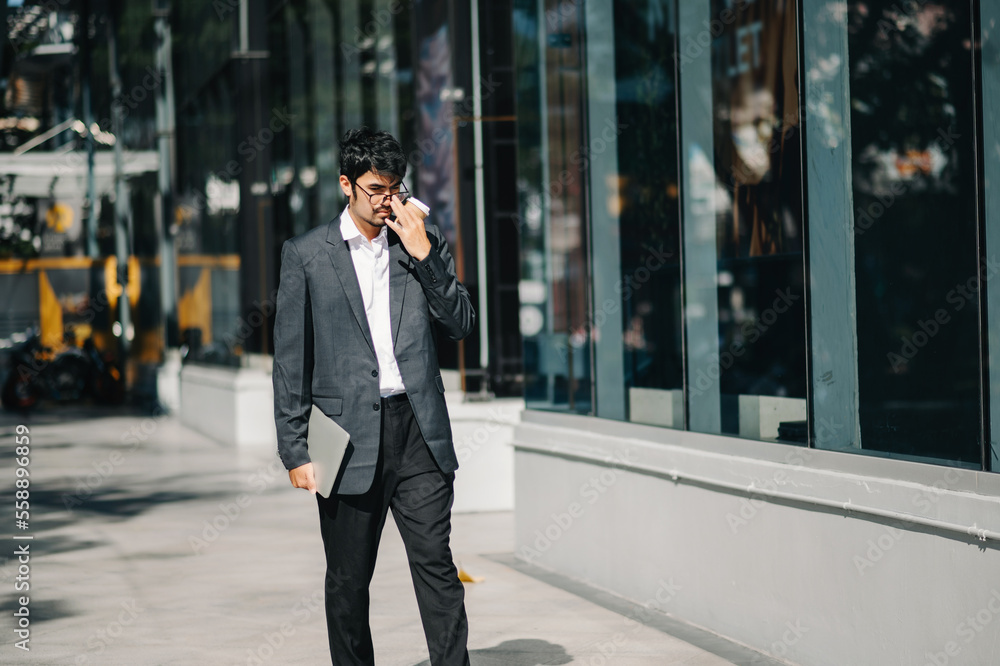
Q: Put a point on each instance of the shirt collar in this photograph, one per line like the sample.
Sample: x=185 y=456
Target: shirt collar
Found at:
x=350 y=231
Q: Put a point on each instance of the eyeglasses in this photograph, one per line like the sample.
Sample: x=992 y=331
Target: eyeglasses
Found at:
x=382 y=199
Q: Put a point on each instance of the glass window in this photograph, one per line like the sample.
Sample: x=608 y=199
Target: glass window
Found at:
x=708 y=163
x=207 y=194
x=989 y=26
x=918 y=274
x=648 y=211
x=555 y=274
x=751 y=381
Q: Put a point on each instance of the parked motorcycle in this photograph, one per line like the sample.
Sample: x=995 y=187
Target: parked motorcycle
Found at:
x=72 y=375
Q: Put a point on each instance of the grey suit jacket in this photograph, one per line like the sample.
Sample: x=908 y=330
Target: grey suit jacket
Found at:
x=323 y=351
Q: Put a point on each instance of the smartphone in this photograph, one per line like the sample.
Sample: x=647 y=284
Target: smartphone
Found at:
x=421 y=206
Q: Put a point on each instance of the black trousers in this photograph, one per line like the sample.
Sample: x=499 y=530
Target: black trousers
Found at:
x=408 y=481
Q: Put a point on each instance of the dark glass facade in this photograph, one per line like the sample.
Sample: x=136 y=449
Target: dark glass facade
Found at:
x=786 y=240
x=918 y=266
x=648 y=203
x=230 y=116
x=260 y=114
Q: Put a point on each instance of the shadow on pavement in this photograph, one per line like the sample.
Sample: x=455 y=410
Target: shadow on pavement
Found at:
x=51 y=413
x=520 y=652
x=41 y=610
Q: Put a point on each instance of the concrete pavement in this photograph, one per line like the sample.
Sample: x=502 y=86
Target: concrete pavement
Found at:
x=153 y=545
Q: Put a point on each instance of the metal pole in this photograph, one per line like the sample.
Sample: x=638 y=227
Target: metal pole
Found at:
x=477 y=158
x=123 y=218
x=88 y=120
x=165 y=143
x=3 y=24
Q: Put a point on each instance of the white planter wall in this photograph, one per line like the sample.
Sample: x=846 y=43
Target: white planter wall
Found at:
x=236 y=407
x=809 y=584
x=231 y=405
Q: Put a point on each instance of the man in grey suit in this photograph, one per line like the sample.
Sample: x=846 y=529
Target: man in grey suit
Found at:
x=358 y=300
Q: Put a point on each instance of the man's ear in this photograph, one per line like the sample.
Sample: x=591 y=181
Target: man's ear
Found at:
x=345 y=186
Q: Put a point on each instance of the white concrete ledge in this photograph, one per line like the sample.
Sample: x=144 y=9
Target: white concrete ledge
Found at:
x=236 y=406
x=231 y=405
x=483 y=432
x=168 y=381
x=778 y=547
x=593 y=429
x=797 y=477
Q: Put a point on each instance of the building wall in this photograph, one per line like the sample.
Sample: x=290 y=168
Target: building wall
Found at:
x=735 y=208
x=825 y=573
x=759 y=373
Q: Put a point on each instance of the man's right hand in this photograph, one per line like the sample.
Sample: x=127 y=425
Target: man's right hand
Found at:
x=303 y=477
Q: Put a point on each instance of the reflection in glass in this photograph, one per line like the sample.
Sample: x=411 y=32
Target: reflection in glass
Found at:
x=761 y=367
x=207 y=198
x=554 y=314
x=648 y=210
x=915 y=214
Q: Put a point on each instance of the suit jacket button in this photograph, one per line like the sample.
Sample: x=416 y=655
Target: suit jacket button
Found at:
x=376 y=407
x=374 y=373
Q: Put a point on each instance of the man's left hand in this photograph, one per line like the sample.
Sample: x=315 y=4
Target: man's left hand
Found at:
x=409 y=225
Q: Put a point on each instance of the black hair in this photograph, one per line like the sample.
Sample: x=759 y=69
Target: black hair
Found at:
x=363 y=150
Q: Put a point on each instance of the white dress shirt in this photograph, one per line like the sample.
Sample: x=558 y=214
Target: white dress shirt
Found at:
x=371 y=263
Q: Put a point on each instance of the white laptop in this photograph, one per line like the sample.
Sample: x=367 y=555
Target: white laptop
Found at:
x=327 y=443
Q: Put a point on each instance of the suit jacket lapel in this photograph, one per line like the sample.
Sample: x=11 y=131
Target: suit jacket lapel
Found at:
x=399 y=270
x=340 y=254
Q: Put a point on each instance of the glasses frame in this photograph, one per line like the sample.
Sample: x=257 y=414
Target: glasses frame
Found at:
x=402 y=193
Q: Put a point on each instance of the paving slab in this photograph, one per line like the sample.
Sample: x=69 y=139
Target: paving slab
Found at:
x=152 y=545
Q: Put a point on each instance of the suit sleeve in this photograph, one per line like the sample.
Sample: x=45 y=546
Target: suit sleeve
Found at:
x=447 y=298
x=293 y=360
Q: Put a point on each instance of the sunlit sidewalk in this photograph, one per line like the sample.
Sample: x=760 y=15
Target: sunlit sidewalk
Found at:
x=151 y=544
